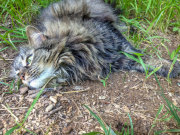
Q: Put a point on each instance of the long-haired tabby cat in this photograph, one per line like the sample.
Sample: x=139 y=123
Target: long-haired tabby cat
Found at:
x=75 y=40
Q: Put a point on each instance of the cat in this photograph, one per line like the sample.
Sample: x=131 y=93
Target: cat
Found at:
x=76 y=40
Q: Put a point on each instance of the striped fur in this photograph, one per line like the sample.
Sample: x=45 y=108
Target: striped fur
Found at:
x=75 y=40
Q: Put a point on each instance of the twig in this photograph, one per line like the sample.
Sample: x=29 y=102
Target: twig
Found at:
x=75 y=91
x=14 y=108
x=7 y=59
x=77 y=107
x=10 y=112
x=52 y=112
x=135 y=84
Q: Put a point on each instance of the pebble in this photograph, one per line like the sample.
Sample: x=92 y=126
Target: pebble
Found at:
x=53 y=99
x=102 y=97
x=126 y=109
x=21 y=98
x=174 y=101
x=23 y=90
x=68 y=121
x=78 y=88
x=170 y=94
x=135 y=79
x=1 y=99
x=91 y=120
x=58 y=88
x=116 y=106
x=67 y=130
x=49 y=108
x=81 y=132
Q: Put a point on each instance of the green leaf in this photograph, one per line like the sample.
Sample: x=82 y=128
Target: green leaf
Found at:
x=167 y=119
x=104 y=83
x=170 y=130
x=143 y=65
x=29 y=131
x=179 y=31
x=157 y=114
x=103 y=125
x=178 y=48
x=33 y=104
x=3 y=49
x=5 y=84
x=11 y=130
x=173 y=54
x=138 y=54
x=131 y=57
x=174 y=61
x=154 y=71
x=175 y=28
x=132 y=131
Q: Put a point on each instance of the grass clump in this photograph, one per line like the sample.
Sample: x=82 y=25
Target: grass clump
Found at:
x=158 y=14
x=15 y=15
x=107 y=129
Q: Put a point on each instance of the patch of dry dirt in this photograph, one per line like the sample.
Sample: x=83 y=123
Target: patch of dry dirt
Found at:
x=136 y=95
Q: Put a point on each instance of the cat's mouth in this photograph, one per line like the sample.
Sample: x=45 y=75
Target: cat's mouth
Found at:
x=34 y=84
x=38 y=81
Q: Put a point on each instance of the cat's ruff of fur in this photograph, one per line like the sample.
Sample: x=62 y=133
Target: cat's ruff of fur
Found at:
x=74 y=40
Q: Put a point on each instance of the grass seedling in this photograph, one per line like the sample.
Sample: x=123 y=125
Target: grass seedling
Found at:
x=173 y=56
x=27 y=114
x=171 y=109
x=140 y=61
x=11 y=86
x=104 y=80
x=107 y=129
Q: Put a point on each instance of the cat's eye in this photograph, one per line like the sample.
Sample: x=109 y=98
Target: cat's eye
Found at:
x=29 y=59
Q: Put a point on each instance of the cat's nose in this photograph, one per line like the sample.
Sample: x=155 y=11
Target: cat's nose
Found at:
x=23 y=70
x=22 y=77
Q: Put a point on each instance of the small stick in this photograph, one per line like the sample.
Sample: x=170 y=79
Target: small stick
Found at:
x=77 y=107
x=7 y=59
x=10 y=112
x=75 y=91
x=14 y=108
x=52 y=112
x=135 y=84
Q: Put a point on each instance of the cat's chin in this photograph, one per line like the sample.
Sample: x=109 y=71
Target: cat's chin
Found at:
x=34 y=84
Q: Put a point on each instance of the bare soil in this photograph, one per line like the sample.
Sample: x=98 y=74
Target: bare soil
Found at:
x=125 y=92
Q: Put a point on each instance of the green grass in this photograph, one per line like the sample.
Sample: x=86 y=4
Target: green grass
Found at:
x=104 y=80
x=19 y=14
x=107 y=129
x=158 y=14
x=172 y=110
x=20 y=126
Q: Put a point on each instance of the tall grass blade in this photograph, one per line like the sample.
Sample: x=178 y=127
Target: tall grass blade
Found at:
x=9 y=132
x=103 y=125
x=132 y=129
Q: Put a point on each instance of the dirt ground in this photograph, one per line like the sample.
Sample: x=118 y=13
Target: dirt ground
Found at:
x=136 y=95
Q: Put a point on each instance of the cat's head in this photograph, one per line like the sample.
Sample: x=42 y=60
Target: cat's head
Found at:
x=42 y=59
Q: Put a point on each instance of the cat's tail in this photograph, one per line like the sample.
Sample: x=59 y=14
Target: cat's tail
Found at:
x=163 y=65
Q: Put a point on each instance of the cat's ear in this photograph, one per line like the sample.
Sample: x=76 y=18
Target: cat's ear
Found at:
x=35 y=37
